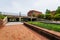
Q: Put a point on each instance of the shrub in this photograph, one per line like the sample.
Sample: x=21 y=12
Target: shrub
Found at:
x=40 y=16
x=57 y=17
x=48 y=16
x=1 y=16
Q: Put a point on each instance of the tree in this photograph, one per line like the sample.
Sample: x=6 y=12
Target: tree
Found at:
x=57 y=17
x=0 y=13
x=47 y=11
x=58 y=10
x=48 y=16
x=40 y=16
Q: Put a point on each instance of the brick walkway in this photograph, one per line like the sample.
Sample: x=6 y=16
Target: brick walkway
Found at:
x=19 y=32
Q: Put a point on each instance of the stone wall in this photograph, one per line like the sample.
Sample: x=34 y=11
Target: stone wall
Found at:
x=3 y=22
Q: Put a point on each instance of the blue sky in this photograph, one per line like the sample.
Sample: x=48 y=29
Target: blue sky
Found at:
x=23 y=6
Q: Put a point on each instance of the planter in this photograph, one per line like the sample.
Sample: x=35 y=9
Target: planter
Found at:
x=3 y=22
x=52 y=35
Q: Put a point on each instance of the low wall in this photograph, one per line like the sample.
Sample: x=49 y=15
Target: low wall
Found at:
x=51 y=22
x=44 y=32
x=3 y=22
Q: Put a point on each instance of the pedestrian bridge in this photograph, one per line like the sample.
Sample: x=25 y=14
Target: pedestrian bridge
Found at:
x=14 y=23
x=20 y=18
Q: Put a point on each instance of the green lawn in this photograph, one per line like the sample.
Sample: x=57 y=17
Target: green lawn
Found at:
x=54 y=27
x=2 y=17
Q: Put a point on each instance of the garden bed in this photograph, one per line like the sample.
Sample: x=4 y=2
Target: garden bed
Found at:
x=54 y=27
x=53 y=35
x=2 y=17
x=3 y=21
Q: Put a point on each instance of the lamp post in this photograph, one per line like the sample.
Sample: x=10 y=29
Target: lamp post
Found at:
x=31 y=16
x=20 y=16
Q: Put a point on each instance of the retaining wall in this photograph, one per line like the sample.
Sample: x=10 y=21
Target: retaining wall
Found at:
x=52 y=35
x=3 y=22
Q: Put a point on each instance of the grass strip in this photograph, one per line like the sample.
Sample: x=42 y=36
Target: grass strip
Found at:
x=54 y=27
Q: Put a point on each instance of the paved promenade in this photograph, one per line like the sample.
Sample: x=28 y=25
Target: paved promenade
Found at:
x=19 y=32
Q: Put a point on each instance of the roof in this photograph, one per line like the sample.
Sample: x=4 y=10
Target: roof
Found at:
x=34 y=11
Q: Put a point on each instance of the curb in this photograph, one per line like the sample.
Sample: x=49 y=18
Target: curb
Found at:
x=45 y=33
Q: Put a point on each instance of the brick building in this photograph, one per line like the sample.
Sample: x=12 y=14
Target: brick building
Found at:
x=34 y=13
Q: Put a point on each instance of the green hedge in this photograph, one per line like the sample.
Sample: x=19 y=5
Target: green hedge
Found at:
x=2 y=17
x=54 y=27
x=57 y=17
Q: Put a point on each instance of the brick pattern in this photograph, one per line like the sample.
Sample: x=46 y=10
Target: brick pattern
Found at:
x=19 y=32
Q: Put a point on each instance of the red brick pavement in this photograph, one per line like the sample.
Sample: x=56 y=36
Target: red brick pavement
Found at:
x=19 y=32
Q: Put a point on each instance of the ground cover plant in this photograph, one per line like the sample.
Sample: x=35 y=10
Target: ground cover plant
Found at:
x=2 y=17
x=54 y=27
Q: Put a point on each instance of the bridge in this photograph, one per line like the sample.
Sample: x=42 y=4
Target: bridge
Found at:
x=12 y=18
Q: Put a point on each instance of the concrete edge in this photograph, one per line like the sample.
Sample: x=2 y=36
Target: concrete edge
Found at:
x=45 y=33
x=3 y=22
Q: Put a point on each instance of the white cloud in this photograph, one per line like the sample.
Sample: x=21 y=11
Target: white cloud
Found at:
x=16 y=6
x=46 y=4
x=25 y=5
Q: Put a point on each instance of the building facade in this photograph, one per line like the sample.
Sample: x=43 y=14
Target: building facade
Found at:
x=33 y=13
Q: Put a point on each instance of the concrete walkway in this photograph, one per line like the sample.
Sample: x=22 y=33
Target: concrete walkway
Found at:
x=19 y=32
x=13 y=23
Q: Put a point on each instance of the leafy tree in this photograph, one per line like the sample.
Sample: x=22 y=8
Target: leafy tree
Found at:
x=48 y=16
x=57 y=17
x=0 y=13
x=58 y=10
x=47 y=11
x=40 y=16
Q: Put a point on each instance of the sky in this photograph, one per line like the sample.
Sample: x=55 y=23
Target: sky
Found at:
x=24 y=6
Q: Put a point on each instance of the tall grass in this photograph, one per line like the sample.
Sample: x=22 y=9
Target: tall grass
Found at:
x=54 y=27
